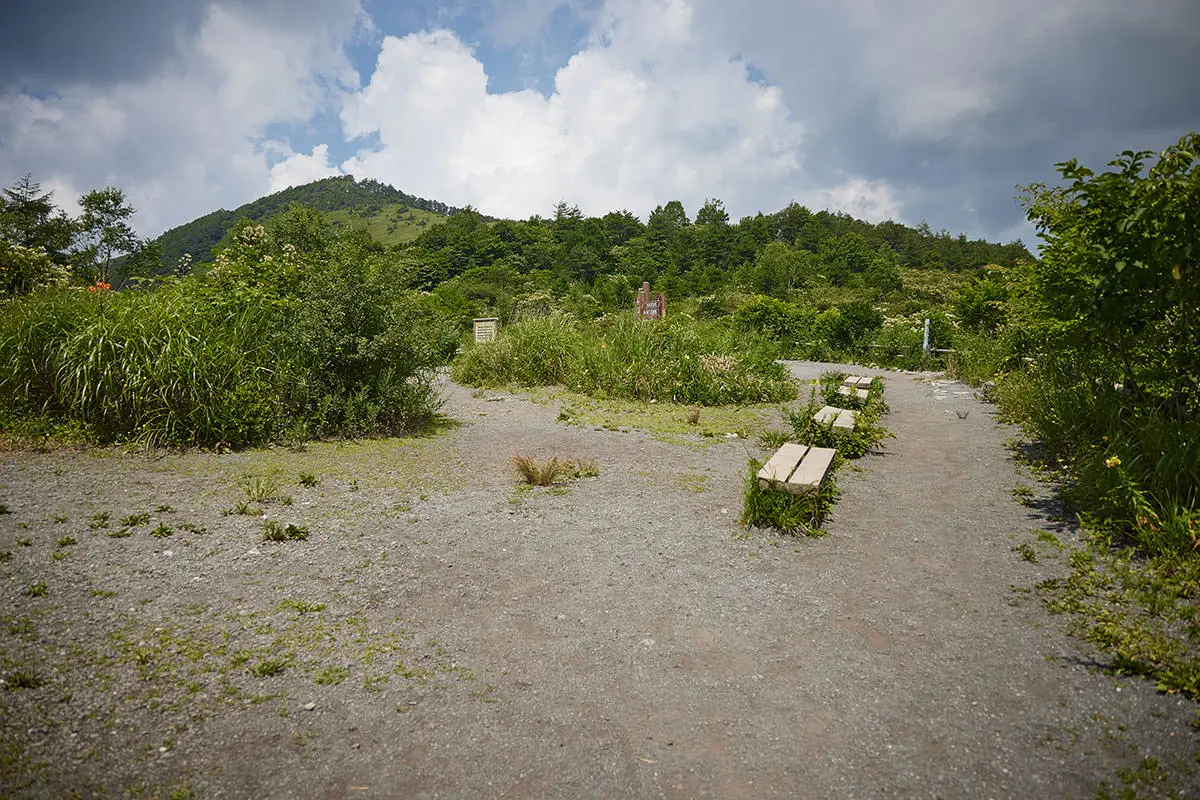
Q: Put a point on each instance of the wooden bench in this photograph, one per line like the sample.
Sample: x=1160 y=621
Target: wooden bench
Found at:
x=840 y=418
x=796 y=468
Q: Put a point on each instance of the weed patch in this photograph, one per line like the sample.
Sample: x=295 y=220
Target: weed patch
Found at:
x=1141 y=611
x=300 y=606
x=23 y=678
x=331 y=676
x=800 y=514
x=553 y=470
x=275 y=531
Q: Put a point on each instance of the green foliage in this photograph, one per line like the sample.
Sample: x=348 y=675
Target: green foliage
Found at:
x=785 y=512
x=275 y=340
x=1120 y=267
x=276 y=531
x=331 y=676
x=789 y=324
x=867 y=434
x=102 y=233
x=1141 y=612
x=30 y=221
x=270 y=667
x=343 y=201
x=677 y=359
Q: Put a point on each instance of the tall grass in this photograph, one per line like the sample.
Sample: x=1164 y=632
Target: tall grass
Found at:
x=192 y=364
x=1134 y=461
x=681 y=360
x=156 y=367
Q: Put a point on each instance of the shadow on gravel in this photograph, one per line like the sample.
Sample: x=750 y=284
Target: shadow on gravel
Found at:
x=1050 y=513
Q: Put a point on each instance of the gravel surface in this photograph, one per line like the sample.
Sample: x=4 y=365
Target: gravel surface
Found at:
x=441 y=633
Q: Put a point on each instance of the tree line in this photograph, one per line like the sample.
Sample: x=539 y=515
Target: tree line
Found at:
x=40 y=244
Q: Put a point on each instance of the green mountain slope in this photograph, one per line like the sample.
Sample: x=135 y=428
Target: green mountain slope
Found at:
x=392 y=223
x=391 y=216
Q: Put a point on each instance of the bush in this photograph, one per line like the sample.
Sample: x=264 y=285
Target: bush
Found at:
x=272 y=341
x=680 y=359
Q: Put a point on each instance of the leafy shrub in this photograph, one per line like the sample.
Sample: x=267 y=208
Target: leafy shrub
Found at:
x=273 y=339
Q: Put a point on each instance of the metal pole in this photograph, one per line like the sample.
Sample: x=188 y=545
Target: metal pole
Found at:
x=925 y=344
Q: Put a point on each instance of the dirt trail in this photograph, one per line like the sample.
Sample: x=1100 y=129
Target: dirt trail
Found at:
x=621 y=639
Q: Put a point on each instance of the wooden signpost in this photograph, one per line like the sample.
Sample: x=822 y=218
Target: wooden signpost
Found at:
x=486 y=329
x=650 y=306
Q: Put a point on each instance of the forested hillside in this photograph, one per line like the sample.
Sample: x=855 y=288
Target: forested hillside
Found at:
x=391 y=215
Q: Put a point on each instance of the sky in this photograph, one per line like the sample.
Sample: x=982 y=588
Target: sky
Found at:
x=912 y=110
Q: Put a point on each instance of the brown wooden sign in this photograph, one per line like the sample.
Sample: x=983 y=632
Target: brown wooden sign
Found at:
x=651 y=306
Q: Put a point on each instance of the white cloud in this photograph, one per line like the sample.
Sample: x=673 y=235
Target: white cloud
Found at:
x=194 y=136
x=644 y=113
x=874 y=201
x=299 y=169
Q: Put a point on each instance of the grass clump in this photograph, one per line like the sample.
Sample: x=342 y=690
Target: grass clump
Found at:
x=66 y=541
x=162 y=531
x=308 y=479
x=259 y=488
x=331 y=676
x=23 y=678
x=39 y=589
x=680 y=360
x=553 y=470
x=270 y=667
x=275 y=531
x=300 y=606
x=800 y=514
x=134 y=520
x=99 y=520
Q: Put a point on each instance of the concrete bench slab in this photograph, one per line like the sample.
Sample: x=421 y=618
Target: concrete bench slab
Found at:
x=840 y=418
x=846 y=391
x=796 y=468
x=847 y=420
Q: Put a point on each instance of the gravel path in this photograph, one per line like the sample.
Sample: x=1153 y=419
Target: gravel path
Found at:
x=621 y=638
